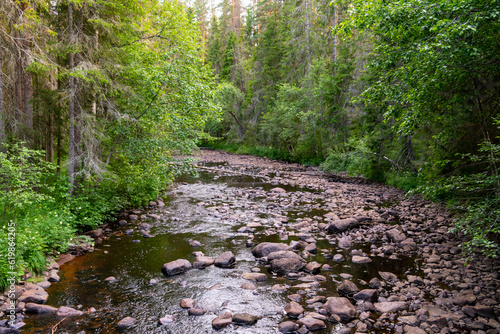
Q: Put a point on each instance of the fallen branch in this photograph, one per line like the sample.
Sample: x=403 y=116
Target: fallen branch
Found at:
x=54 y=328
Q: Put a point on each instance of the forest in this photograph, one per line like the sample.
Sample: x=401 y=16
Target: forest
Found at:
x=97 y=96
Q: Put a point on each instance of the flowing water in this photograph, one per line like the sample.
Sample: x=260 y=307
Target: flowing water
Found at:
x=209 y=209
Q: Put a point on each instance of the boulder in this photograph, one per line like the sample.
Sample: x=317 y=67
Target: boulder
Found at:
x=387 y=276
x=222 y=321
x=125 y=323
x=341 y=307
x=286 y=265
x=342 y=225
x=283 y=255
x=256 y=277
x=347 y=288
x=225 y=260
x=311 y=248
x=312 y=324
x=196 y=311
x=144 y=227
x=176 y=267
x=244 y=319
x=40 y=309
x=294 y=309
x=288 y=327
x=313 y=267
x=389 y=307
x=413 y=330
x=187 y=303
x=95 y=234
x=249 y=286
x=65 y=311
x=395 y=235
x=368 y=295
x=37 y=295
x=266 y=248
x=167 y=319
x=203 y=262
x=361 y=259
x=194 y=243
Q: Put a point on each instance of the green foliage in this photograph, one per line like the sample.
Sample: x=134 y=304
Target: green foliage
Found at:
x=42 y=224
x=476 y=198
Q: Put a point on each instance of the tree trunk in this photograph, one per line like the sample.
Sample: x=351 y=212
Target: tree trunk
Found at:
x=335 y=38
x=72 y=96
x=28 y=94
x=2 y=108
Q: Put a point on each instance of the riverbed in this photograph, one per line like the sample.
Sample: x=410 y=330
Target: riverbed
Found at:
x=239 y=202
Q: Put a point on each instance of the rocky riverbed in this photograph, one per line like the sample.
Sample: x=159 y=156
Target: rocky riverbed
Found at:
x=268 y=247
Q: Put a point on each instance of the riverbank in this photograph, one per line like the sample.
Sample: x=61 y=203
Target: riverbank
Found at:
x=365 y=258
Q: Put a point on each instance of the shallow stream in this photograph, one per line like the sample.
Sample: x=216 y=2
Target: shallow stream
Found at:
x=209 y=209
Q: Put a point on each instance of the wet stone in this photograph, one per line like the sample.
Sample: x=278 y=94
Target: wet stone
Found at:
x=256 y=277
x=222 y=321
x=312 y=324
x=370 y=295
x=388 y=307
x=194 y=243
x=244 y=319
x=203 y=262
x=53 y=276
x=266 y=248
x=341 y=307
x=196 y=311
x=294 y=309
x=248 y=286
x=126 y=323
x=225 y=260
x=65 y=311
x=176 y=267
x=167 y=319
x=278 y=287
x=288 y=327
x=338 y=258
x=361 y=259
x=187 y=303
x=342 y=225
x=396 y=236
x=144 y=227
x=38 y=296
x=40 y=309
x=347 y=288
x=287 y=265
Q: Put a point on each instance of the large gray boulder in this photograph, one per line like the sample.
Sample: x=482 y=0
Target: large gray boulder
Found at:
x=312 y=324
x=126 y=323
x=341 y=307
x=294 y=309
x=37 y=295
x=225 y=260
x=347 y=288
x=40 y=309
x=286 y=265
x=266 y=248
x=395 y=235
x=283 y=254
x=176 y=267
x=342 y=225
x=388 y=307
x=65 y=311
x=222 y=321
